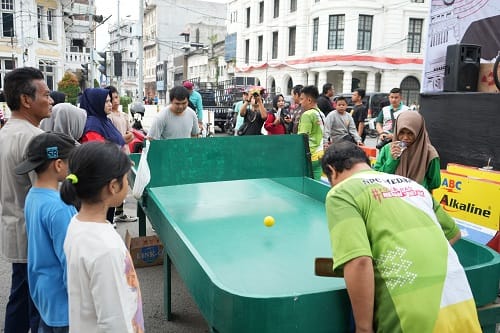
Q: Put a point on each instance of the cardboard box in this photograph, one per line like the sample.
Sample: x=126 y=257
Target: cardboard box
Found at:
x=145 y=251
x=486 y=83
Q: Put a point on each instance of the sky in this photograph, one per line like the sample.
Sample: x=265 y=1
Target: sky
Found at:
x=109 y=7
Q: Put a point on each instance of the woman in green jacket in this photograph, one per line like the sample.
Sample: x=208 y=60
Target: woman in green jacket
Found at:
x=412 y=155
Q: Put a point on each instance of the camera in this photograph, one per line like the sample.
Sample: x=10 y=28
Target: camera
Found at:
x=382 y=143
x=256 y=94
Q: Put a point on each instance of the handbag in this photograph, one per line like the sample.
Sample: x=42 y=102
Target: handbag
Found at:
x=143 y=175
x=243 y=129
x=348 y=137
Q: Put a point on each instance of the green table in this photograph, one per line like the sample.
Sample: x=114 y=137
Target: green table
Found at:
x=207 y=200
x=244 y=276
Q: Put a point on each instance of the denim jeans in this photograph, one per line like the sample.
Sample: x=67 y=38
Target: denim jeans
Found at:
x=44 y=328
x=20 y=314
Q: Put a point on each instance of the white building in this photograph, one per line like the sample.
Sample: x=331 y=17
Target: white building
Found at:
x=206 y=62
x=163 y=23
x=376 y=44
x=51 y=35
x=125 y=42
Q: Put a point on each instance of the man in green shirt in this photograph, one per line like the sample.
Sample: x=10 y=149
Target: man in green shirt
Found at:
x=312 y=123
x=392 y=243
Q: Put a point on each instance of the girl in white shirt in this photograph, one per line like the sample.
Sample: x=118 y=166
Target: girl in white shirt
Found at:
x=103 y=289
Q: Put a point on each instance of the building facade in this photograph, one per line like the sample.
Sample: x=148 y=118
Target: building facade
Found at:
x=375 y=45
x=54 y=36
x=124 y=41
x=163 y=25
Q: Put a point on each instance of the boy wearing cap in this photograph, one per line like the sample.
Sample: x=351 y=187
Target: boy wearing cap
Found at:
x=47 y=219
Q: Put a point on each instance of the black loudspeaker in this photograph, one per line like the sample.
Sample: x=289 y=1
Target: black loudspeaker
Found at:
x=462 y=67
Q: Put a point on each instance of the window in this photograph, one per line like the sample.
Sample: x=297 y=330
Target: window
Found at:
x=292 y=31
x=275 y=45
x=50 y=22
x=247 y=51
x=39 y=21
x=365 y=32
x=293 y=6
x=260 y=43
x=415 y=35
x=410 y=90
x=336 y=27
x=6 y=65
x=276 y=8
x=47 y=68
x=234 y=16
x=7 y=18
x=261 y=11
x=315 y=33
x=248 y=17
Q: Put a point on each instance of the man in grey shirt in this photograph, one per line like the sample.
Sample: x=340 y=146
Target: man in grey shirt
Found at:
x=29 y=99
x=177 y=120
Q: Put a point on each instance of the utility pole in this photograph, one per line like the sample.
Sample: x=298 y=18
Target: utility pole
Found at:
x=140 y=53
x=118 y=78
x=92 y=28
x=91 y=42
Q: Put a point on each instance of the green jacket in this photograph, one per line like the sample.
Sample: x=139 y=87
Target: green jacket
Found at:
x=385 y=163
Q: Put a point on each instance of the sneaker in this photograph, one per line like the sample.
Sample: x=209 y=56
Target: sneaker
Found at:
x=124 y=218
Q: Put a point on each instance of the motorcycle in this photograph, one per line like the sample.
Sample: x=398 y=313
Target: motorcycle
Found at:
x=370 y=128
x=230 y=123
x=135 y=146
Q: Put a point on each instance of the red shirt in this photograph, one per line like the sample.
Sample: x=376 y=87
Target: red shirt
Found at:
x=92 y=136
x=271 y=128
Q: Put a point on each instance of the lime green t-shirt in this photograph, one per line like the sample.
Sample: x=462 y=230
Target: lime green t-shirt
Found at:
x=420 y=285
x=312 y=123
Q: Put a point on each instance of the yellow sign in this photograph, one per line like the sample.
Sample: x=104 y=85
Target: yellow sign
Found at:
x=473 y=172
x=470 y=199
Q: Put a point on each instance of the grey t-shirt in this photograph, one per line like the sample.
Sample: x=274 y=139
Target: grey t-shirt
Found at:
x=168 y=125
x=14 y=136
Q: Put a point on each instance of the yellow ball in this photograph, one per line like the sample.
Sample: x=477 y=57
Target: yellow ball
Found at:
x=268 y=221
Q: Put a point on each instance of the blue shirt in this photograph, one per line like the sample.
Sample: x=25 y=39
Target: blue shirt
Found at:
x=195 y=98
x=47 y=219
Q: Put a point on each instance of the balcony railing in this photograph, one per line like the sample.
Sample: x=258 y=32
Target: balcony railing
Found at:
x=77 y=57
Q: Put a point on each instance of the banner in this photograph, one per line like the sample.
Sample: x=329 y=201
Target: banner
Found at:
x=459 y=21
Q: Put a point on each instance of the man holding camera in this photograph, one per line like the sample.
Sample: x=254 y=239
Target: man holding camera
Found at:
x=255 y=116
x=386 y=119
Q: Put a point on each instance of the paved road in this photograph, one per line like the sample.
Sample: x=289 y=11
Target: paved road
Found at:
x=186 y=316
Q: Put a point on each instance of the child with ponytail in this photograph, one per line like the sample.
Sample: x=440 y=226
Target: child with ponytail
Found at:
x=104 y=293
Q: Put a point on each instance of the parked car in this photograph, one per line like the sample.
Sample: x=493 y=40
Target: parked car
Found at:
x=375 y=101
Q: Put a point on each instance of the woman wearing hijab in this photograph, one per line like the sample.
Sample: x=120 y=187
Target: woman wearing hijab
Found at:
x=97 y=103
x=66 y=118
x=413 y=155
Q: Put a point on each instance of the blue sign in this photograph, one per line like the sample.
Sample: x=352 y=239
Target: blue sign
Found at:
x=160 y=85
x=230 y=47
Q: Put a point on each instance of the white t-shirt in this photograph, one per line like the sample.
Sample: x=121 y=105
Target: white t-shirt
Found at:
x=103 y=289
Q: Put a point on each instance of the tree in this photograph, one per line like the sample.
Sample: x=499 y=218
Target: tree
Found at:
x=70 y=86
x=125 y=101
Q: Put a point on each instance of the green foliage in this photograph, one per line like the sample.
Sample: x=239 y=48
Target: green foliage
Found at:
x=70 y=86
x=96 y=84
x=124 y=102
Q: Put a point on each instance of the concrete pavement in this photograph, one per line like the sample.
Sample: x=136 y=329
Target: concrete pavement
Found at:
x=186 y=316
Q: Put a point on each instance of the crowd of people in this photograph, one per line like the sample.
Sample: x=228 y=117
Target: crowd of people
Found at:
x=63 y=176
